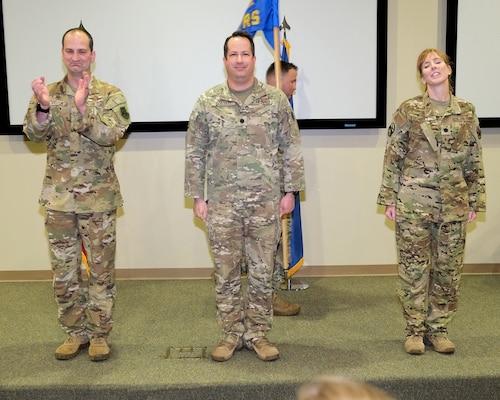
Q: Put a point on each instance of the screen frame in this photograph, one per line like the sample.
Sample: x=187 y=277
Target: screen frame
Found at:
x=379 y=121
x=451 y=50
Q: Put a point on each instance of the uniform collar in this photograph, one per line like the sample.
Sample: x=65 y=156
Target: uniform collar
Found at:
x=453 y=108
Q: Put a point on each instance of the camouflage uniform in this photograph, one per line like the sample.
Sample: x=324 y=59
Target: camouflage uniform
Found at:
x=81 y=194
x=232 y=150
x=433 y=174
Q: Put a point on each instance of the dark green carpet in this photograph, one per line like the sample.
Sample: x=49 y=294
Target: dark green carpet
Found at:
x=349 y=326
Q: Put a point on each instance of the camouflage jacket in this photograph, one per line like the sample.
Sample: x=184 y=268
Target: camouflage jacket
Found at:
x=232 y=148
x=80 y=175
x=433 y=165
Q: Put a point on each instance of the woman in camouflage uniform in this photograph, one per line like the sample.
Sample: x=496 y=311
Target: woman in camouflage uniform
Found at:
x=432 y=186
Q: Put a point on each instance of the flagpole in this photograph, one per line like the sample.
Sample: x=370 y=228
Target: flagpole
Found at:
x=277 y=58
x=277 y=73
x=285 y=244
x=85 y=261
x=289 y=219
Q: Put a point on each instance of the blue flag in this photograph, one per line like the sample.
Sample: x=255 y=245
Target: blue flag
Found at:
x=296 y=244
x=261 y=15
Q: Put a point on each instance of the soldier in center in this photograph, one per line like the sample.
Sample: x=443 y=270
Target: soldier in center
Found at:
x=235 y=132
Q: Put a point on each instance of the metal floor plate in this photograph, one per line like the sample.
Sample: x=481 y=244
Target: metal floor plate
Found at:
x=186 y=352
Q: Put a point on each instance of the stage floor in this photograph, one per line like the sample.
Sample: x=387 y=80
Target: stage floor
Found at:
x=349 y=326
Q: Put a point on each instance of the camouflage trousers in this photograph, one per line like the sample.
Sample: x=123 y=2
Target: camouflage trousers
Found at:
x=279 y=273
x=237 y=232
x=84 y=305
x=430 y=261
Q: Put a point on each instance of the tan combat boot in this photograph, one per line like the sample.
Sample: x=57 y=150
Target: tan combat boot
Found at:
x=415 y=344
x=99 y=349
x=70 y=348
x=265 y=350
x=226 y=348
x=281 y=307
x=441 y=343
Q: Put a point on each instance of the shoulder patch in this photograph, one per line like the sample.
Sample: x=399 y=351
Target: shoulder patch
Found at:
x=124 y=113
x=391 y=129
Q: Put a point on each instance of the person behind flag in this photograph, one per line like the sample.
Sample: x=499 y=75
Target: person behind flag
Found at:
x=289 y=72
x=80 y=118
x=282 y=307
x=235 y=132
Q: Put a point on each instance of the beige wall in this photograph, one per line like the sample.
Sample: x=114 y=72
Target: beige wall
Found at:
x=342 y=225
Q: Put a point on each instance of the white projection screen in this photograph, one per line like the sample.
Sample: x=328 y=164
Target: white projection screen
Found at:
x=473 y=32
x=164 y=53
